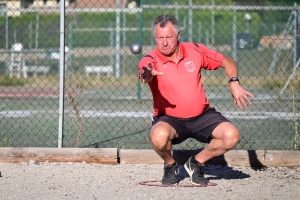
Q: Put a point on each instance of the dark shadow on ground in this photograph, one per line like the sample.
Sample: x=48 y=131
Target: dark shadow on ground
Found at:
x=254 y=162
x=213 y=172
x=216 y=168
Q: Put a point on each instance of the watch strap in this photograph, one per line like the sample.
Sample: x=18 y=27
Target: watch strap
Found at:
x=234 y=79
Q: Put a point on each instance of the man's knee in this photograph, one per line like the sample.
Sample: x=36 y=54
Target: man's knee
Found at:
x=228 y=133
x=231 y=137
x=159 y=136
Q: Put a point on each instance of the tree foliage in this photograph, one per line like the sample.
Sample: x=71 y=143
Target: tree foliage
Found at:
x=227 y=2
x=282 y=2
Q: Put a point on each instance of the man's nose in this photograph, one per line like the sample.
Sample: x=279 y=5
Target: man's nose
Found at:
x=165 y=42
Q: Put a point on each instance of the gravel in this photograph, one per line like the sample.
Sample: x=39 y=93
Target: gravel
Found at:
x=47 y=180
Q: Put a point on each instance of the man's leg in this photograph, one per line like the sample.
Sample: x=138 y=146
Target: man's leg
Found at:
x=224 y=137
x=161 y=137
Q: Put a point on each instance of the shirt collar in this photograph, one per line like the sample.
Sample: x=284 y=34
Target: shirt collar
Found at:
x=182 y=53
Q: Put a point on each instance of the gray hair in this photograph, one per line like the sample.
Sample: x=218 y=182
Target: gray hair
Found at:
x=162 y=20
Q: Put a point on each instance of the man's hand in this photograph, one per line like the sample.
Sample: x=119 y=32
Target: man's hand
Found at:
x=240 y=95
x=146 y=73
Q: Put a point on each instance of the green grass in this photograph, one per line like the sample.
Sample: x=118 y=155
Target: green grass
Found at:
x=40 y=129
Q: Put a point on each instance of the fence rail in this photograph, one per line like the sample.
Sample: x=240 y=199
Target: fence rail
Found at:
x=145 y=6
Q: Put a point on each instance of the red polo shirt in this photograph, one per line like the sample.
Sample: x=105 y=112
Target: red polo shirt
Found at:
x=179 y=92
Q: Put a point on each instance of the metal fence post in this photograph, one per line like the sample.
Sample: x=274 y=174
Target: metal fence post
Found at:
x=61 y=75
x=141 y=42
x=118 y=31
x=190 y=36
x=234 y=54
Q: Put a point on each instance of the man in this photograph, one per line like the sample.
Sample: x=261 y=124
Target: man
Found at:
x=181 y=109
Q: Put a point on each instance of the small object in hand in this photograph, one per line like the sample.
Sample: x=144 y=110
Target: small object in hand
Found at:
x=136 y=48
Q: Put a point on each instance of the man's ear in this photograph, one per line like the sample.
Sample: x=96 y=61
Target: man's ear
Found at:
x=178 y=36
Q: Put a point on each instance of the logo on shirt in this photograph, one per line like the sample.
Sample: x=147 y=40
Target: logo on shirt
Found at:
x=189 y=66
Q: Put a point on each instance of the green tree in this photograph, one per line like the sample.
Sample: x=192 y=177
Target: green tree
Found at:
x=282 y=2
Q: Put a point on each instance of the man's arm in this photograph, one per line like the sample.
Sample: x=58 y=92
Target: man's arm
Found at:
x=239 y=94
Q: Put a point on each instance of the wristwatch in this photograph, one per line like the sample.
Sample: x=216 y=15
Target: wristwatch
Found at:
x=233 y=79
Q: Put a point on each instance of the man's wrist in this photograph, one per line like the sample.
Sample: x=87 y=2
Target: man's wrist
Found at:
x=146 y=80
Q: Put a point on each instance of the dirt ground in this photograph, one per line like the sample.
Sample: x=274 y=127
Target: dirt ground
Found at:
x=47 y=180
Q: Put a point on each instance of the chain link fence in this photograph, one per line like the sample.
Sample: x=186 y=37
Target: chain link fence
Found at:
x=103 y=103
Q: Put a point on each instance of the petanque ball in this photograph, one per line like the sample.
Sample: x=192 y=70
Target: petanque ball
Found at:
x=136 y=48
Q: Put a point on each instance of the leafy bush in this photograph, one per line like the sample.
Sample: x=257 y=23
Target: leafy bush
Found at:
x=8 y=81
x=5 y=142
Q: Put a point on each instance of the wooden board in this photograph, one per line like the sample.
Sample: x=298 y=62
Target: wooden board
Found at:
x=250 y=158
x=89 y=155
x=137 y=156
x=247 y=158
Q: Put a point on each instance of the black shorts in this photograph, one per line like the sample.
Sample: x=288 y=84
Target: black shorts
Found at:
x=199 y=128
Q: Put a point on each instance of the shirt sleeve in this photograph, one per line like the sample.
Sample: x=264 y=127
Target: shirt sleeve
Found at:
x=212 y=60
x=145 y=60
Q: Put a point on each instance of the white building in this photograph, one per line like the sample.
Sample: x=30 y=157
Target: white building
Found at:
x=13 y=7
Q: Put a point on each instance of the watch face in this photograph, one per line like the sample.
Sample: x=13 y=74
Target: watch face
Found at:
x=233 y=79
